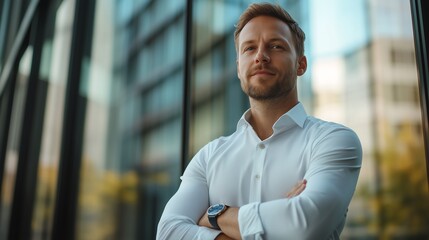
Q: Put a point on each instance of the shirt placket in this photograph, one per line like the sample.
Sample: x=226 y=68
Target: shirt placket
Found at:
x=257 y=173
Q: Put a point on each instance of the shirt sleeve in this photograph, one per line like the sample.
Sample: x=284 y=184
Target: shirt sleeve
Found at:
x=320 y=209
x=183 y=211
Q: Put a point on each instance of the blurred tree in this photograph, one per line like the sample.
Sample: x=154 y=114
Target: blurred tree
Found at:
x=404 y=194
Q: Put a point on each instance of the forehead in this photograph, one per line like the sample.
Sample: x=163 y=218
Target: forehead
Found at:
x=265 y=26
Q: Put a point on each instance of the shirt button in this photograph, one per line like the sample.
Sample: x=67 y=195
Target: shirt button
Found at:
x=261 y=146
x=257 y=177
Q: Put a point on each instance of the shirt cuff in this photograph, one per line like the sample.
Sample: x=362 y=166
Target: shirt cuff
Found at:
x=206 y=233
x=249 y=222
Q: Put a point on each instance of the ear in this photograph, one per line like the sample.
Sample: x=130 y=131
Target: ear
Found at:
x=238 y=68
x=302 y=65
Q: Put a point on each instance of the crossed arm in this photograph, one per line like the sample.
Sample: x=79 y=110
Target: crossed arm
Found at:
x=228 y=221
x=315 y=213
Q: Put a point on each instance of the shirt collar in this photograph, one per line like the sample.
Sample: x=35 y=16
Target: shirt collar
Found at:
x=295 y=116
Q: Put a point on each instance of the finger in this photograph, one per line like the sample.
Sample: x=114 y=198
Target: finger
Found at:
x=291 y=193
x=298 y=186
x=297 y=189
x=300 y=189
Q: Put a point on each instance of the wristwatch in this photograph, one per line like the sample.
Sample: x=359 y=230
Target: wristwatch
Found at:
x=214 y=211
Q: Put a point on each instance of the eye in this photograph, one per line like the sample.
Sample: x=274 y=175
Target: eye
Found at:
x=275 y=46
x=250 y=48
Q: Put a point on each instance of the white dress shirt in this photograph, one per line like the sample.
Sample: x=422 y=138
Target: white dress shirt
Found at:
x=242 y=171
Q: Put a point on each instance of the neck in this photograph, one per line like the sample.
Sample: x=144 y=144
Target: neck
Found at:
x=265 y=113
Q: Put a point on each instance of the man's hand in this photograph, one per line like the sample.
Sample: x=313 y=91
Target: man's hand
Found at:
x=298 y=189
x=204 y=221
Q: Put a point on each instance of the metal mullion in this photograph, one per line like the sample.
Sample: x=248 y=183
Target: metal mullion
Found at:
x=18 y=41
x=29 y=146
x=5 y=117
x=421 y=29
x=72 y=134
x=187 y=79
x=4 y=20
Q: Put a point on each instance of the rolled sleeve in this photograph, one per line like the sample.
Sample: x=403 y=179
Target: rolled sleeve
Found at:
x=180 y=227
x=206 y=233
x=249 y=222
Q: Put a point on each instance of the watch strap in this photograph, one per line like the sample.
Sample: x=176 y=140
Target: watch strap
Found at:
x=213 y=222
x=213 y=218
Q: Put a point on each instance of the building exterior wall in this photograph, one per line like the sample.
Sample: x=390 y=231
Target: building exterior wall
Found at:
x=129 y=70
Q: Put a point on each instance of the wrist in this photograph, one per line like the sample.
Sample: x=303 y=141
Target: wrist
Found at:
x=228 y=222
x=214 y=212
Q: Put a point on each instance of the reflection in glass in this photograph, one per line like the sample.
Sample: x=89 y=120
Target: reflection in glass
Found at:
x=53 y=74
x=217 y=98
x=369 y=82
x=132 y=132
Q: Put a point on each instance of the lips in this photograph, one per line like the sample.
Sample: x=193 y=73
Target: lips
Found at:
x=262 y=72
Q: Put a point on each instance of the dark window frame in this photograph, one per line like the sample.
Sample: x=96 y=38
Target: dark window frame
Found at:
x=64 y=223
x=421 y=30
x=31 y=130
x=187 y=98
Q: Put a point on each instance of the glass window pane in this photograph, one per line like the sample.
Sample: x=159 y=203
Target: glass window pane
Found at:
x=133 y=120
x=217 y=98
x=369 y=83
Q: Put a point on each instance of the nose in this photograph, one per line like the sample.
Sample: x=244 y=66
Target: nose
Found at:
x=262 y=56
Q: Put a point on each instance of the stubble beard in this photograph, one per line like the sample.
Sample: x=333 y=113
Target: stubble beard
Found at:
x=278 y=90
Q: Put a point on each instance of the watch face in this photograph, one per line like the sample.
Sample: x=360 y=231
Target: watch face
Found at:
x=215 y=209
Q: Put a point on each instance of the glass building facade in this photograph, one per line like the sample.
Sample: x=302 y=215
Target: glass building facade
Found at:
x=103 y=104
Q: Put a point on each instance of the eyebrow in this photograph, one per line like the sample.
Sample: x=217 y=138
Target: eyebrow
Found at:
x=275 y=39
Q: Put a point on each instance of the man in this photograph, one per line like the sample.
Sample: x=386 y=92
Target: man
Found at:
x=282 y=174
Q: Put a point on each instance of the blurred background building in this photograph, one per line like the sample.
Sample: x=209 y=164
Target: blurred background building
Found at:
x=103 y=104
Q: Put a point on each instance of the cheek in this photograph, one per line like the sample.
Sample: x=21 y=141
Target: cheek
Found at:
x=240 y=70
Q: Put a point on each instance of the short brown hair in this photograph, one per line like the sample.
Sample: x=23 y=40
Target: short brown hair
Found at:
x=272 y=10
